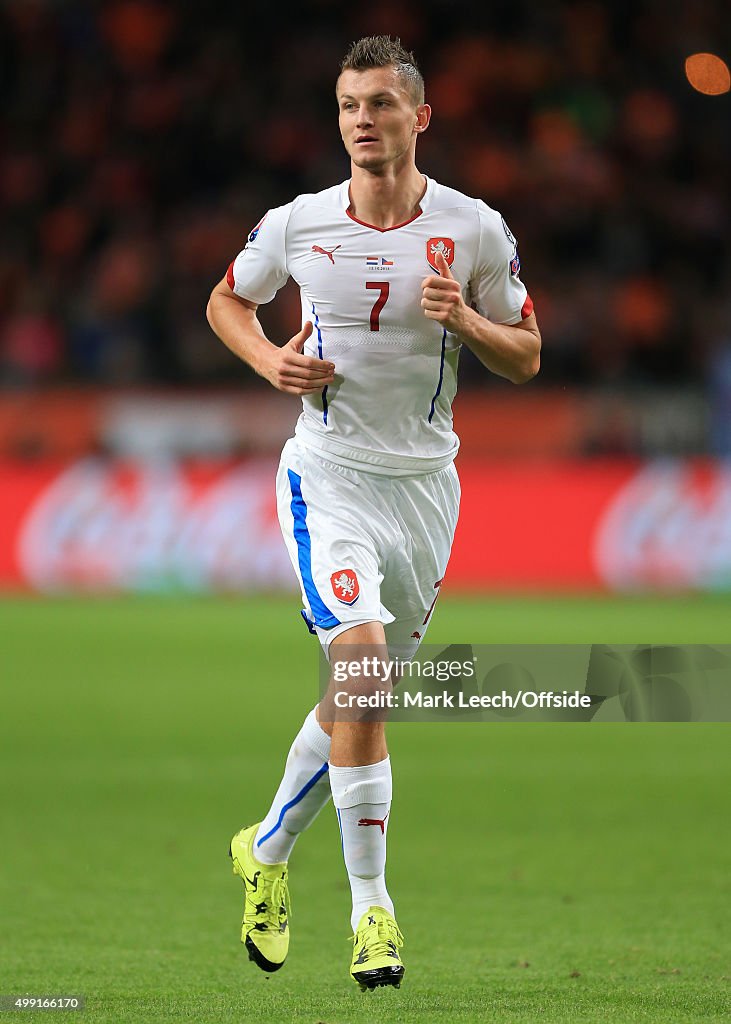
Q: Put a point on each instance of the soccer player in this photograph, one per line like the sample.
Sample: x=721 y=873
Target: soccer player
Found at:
x=396 y=273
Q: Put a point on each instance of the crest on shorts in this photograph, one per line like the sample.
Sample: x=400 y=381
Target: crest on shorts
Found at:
x=345 y=585
x=443 y=245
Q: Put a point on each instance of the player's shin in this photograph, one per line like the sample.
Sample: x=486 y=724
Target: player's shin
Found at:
x=303 y=792
x=362 y=798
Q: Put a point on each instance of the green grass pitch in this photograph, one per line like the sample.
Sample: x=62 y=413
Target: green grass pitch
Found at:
x=541 y=872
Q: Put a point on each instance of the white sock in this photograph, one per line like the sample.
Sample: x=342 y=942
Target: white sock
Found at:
x=303 y=792
x=362 y=798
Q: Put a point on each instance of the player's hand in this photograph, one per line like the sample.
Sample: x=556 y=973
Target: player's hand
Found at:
x=441 y=298
x=291 y=371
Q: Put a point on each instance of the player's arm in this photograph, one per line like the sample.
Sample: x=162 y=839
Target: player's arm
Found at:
x=509 y=350
x=234 y=320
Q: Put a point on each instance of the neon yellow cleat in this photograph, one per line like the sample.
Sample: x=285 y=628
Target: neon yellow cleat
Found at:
x=265 y=928
x=376 y=957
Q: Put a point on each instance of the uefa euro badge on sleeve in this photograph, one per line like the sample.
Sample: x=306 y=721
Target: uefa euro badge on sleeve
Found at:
x=255 y=230
x=509 y=234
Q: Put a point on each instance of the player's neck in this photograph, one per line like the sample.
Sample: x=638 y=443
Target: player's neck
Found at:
x=386 y=200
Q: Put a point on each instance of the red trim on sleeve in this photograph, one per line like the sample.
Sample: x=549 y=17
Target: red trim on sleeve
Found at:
x=230 y=276
x=527 y=307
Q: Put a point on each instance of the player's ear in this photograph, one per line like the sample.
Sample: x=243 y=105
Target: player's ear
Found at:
x=423 y=117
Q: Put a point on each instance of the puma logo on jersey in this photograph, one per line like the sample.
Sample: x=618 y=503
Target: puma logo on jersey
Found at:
x=375 y=821
x=326 y=252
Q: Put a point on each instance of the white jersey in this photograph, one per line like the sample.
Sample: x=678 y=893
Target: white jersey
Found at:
x=390 y=407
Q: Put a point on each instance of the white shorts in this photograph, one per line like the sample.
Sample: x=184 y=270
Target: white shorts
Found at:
x=366 y=547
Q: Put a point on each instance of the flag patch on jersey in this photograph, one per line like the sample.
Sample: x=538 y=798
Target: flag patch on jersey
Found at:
x=443 y=245
x=378 y=261
x=345 y=585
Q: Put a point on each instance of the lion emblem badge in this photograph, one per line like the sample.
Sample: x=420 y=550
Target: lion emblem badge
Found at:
x=345 y=585
x=445 y=246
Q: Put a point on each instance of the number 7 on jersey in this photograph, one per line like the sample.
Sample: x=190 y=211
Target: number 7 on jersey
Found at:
x=382 y=287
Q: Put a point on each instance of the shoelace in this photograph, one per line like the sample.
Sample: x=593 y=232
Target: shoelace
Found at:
x=387 y=932
x=274 y=904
